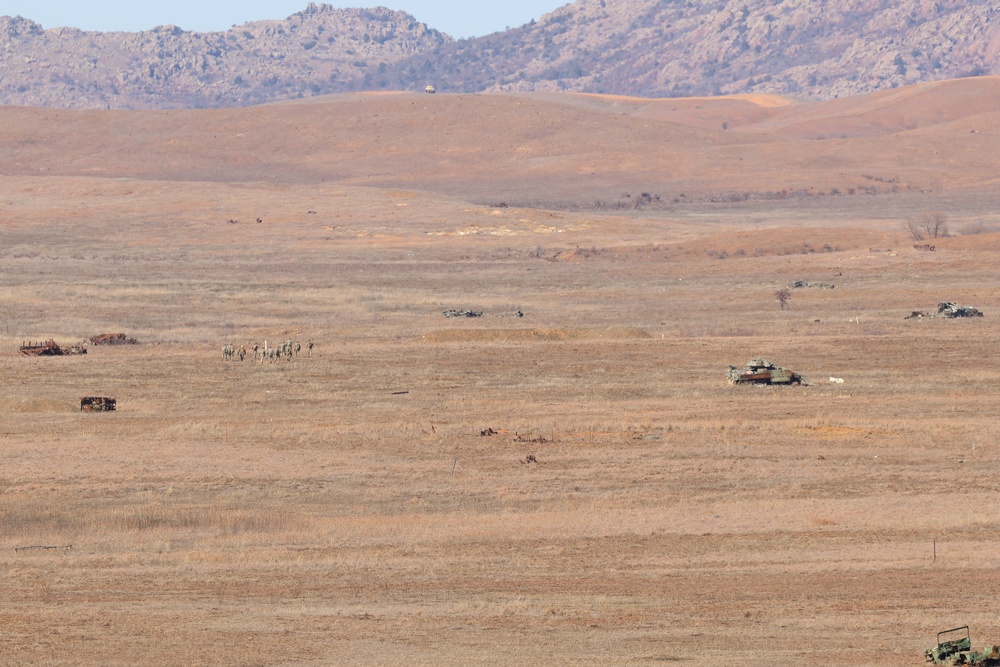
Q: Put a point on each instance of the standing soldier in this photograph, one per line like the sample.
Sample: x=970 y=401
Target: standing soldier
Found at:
x=242 y=352
x=309 y=348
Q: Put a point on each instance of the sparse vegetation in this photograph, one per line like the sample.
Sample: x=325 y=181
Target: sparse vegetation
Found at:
x=928 y=225
x=978 y=227
x=244 y=486
x=783 y=295
x=431 y=490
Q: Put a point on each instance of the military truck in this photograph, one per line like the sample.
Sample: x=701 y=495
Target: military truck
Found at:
x=761 y=371
x=954 y=647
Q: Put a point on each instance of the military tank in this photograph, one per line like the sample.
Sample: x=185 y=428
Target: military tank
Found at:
x=761 y=371
x=954 y=647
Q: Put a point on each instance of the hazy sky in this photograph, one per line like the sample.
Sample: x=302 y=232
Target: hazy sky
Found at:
x=458 y=18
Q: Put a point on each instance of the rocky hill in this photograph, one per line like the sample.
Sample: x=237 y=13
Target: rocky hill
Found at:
x=652 y=48
x=318 y=50
x=670 y=48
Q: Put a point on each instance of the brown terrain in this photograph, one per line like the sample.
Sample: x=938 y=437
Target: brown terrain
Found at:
x=577 y=486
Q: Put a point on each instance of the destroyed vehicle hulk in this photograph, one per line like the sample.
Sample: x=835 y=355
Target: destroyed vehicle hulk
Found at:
x=952 y=309
x=98 y=404
x=761 y=371
x=49 y=348
x=958 y=650
x=113 y=339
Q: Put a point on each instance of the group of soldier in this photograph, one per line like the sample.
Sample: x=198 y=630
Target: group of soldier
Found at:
x=287 y=350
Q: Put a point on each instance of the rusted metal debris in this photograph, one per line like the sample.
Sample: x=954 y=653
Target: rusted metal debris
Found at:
x=113 y=339
x=64 y=547
x=98 y=404
x=761 y=371
x=49 y=348
x=451 y=312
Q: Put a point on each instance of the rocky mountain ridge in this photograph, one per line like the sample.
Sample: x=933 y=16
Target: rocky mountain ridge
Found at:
x=318 y=50
x=672 y=48
x=647 y=48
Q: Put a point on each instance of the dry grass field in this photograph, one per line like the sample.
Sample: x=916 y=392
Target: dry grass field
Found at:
x=345 y=508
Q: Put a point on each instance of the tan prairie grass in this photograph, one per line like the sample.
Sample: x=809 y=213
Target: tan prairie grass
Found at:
x=576 y=486
x=515 y=336
x=30 y=520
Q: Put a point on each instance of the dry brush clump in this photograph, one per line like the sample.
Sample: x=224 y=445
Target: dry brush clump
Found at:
x=23 y=518
x=977 y=227
x=928 y=225
x=214 y=520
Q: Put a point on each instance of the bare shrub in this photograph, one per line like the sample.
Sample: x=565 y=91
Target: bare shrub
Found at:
x=783 y=295
x=929 y=224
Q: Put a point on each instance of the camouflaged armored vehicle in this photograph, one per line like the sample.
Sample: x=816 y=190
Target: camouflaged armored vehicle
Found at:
x=761 y=371
x=958 y=650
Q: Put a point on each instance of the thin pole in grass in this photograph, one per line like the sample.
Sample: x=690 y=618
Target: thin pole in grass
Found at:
x=454 y=464
x=935 y=551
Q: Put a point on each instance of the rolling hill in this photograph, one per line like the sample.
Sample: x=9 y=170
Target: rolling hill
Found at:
x=539 y=149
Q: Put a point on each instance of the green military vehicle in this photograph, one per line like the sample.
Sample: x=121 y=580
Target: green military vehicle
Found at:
x=761 y=371
x=954 y=647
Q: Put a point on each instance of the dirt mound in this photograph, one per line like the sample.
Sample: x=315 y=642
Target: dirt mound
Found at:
x=531 y=335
